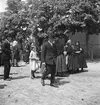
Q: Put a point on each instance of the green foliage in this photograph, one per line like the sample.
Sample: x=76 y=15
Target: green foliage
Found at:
x=47 y=17
x=15 y=22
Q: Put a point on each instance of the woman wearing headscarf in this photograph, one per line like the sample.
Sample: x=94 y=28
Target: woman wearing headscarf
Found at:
x=61 y=68
x=72 y=62
x=15 y=53
x=27 y=52
x=80 y=55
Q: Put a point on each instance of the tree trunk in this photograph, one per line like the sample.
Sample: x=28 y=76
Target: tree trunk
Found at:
x=92 y=54
x=87 y=48
x=87 y=44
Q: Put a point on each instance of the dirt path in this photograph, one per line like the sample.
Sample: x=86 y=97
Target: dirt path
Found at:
x=77 y=89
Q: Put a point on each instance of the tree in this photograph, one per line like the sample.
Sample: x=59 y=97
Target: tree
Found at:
x=84 y=17
x=40 y=17
x=15 y=20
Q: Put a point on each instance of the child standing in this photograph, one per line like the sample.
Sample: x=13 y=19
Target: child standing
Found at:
x=34 y=66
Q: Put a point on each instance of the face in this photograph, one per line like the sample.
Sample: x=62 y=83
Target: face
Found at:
x=69 y=41
x=77 y=43
x=52 y=40
x=33 y=48
x=9 y=39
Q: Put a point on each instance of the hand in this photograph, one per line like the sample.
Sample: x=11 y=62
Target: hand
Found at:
x=43 y=67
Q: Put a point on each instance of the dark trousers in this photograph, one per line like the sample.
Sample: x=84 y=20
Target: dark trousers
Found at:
x=6 y=69
x=50 y=69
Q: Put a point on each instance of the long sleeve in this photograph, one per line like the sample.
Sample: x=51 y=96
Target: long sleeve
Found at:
x=30 y=55
x=6 y=49
x=43 y=53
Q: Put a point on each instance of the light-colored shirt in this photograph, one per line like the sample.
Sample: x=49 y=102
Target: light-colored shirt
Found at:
x=50 y=43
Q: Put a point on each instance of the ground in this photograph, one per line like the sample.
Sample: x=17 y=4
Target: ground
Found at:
x=76 y=89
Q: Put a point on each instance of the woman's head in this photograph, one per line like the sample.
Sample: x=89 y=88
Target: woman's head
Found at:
x=77 y=43
x=33 y=48
x=69 y=41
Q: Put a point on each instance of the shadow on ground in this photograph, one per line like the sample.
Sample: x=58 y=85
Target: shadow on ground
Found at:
x=19 y=77
x=61 y=81
x=1 y=76
x=2 y=86
x=77 y=72
x=18 y=66
x=13 y=73
x=94 y=61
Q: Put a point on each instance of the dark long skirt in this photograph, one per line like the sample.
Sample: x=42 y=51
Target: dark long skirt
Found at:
x=73 y=63
x=61 y=68
x=82 y=61
x=26 y=57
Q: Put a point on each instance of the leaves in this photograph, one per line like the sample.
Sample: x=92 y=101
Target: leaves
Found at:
x=38 y=17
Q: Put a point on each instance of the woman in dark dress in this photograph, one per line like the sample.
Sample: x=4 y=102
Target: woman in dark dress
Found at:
x=61 y=68
x=15 y=55
x=27 y=52
x=72 y=59
x=80 y=55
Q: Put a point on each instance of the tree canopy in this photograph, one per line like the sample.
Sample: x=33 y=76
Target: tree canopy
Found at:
x=40 y=17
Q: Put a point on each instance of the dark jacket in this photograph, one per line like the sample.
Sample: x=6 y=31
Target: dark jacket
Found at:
x=6 y=51
x=60 y=46
x=16 y=52
x=48 y=54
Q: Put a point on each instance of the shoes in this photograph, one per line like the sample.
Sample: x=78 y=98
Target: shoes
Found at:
x=42 y=82
x=54 y=85
x=32 y=74
x=17 y=66
x=55 y=81
x=82 y=70
x=8 y=79
x=32 y=77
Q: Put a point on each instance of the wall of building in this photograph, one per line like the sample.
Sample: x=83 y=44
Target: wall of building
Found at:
x=94 y=42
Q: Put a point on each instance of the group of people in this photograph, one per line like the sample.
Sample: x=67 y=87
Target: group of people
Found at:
x=58 y=58
x=11 y=53
x=6 y=57
x=71 y=58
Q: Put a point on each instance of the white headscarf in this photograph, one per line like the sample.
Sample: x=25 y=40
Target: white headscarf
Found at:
x=69 y=41
x=14 y=43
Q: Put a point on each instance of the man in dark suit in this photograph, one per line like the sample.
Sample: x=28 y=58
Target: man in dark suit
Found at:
x=6 y=57
x=48 y=58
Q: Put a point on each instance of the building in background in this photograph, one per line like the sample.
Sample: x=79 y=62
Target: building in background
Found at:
x=94 y=43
